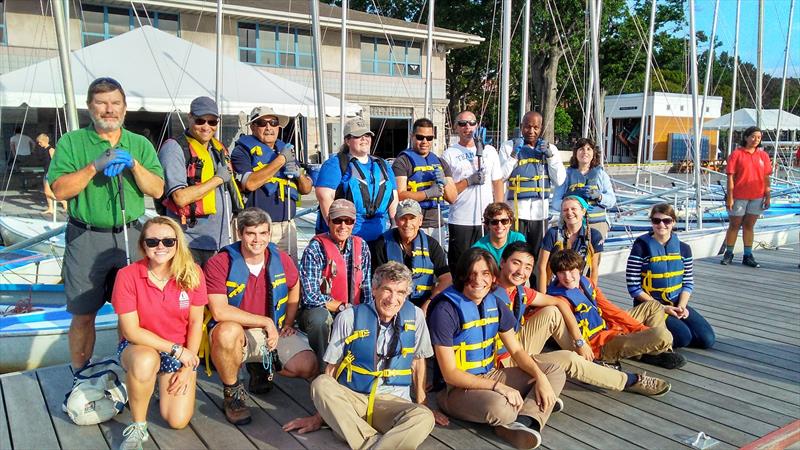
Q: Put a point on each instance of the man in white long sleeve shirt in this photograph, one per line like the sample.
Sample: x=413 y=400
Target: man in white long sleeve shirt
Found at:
x=532 y=169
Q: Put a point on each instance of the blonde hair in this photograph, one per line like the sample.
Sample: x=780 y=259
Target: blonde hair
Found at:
x=182 y=267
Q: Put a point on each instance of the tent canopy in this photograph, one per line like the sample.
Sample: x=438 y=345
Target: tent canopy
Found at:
x=161 y=73
x=746 y=117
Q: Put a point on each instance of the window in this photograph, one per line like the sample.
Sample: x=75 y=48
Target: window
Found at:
x=272 y=45
x=2 y=22
x=400 y=58
x=103 y=22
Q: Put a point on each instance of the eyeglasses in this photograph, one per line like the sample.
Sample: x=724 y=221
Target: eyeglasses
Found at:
x=105 y=80
x=153 y=242
x=657 y=220
x=261 y=123
x=463 y=123
x=424 y=138
x=343 y=220
x=199 y=121
x=504 y=221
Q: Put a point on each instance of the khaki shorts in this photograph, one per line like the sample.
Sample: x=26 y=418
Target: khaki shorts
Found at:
x=287 y=346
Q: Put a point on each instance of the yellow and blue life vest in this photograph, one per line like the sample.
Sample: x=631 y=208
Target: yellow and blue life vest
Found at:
x=361 y=366
x=584 y=306
x=423 y=278
x=576 y=180
x=530 y=179
x=260 y=156
x=662 y=273
x=474 y=345
x=423 y=175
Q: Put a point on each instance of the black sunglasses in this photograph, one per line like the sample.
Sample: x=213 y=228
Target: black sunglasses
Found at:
x=343 y=220
x=261 y=123
x=200 y=121
x=463 y=123
x=658 y=220
x=504 y=221
x=424 y=138
x=105 y=80
x=153 y=242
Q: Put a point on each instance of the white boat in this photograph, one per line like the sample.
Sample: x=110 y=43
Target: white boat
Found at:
x=17 y=229
x=39 y=338
x=29 y=267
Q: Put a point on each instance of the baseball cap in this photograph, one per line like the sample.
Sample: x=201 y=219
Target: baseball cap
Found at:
x=262 y=111
x=408 y=206
x=202 y=106
x=357 y=127
x=342 y=208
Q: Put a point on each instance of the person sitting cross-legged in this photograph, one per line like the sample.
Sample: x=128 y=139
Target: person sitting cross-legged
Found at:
x=611 y=332
x=253 y=295
x=376 y=353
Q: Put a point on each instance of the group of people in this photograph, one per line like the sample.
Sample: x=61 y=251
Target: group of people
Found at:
x=374 y=299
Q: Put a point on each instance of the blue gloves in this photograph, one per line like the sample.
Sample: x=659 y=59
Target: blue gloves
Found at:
x=116 y=160
x=439 y=174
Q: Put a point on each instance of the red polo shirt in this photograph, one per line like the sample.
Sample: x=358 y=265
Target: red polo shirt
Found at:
x=253 y=301
x=748 y=170
x=165 y=313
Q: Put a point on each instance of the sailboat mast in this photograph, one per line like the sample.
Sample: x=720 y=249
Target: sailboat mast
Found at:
x=695 y=117
x=783 y=87
x=735 y=74
x=646 y=91
x=505 y=72
x=709 y=64
x=66 y=69
x=759 y=63
x=595 y=12
x=342 y=71
x=526 y=38
x=428 y=61
x=316 y=46
x=218 y=85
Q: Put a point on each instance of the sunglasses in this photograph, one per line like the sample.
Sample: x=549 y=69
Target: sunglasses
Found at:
x=463 y=123
x=343 y=220
x=153 y=242
x=105 y=80
x=200 y=121
x=424 y=138
x=504 y=221
x=261 y=123
x=658 y=220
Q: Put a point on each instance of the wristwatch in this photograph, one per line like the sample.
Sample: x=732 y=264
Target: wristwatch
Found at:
x=579 y=343
x=342 y=307
x=175 y=348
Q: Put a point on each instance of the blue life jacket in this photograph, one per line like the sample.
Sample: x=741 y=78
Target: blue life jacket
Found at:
x=423 y=175
x=530 y=179
x=576 y=180
x=474 y=345
x=584 y=306
x=355 y=186
x=518 y=307
x=261 y=155
x=359 y=369
x=238 y=274
x=423 y=278
x=662 y=274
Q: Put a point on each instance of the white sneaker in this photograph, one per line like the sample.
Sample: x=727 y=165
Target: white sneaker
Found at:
x=134 y=435
x=519 y=436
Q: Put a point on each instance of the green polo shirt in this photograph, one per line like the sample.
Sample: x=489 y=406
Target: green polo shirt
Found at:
x=98 y=204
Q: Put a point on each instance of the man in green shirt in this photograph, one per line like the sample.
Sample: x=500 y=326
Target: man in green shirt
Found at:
x=84 y=171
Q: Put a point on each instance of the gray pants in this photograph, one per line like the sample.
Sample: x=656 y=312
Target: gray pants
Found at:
x=317 y=323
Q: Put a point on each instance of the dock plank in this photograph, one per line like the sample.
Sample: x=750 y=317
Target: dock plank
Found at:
x=211 y=426
x=28 y=419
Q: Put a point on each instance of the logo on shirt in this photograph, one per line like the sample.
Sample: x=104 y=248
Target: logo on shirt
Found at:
x=183 y=300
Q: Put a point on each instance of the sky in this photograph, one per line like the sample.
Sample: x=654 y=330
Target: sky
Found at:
x=776 y=21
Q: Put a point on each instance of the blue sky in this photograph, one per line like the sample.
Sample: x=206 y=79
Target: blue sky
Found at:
x=776 y=21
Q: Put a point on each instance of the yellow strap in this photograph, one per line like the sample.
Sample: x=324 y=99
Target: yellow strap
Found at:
x=282 y=183
x=238 y=288
x=357 y=334
x=405 y=352
x=422 y=287
x=420 y=270
x=282 y=301
x=257 y=151
x=522 y=162
x=420 y=252
x=480 y=322
x=371 y=401
x=671 y=257
x=411 y=326
x=279 y=282
x=205 y=343
x=415 y=186
x=424 y=168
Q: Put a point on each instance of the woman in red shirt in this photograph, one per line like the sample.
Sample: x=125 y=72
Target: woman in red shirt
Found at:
x=748 y=194
x=159 y=300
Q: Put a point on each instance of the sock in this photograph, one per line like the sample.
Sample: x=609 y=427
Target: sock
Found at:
x=728 y=248
x=141 y=424
x=748 y=251
x=632 y=379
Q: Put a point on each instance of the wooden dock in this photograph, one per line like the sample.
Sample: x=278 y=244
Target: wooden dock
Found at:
x=747 y=387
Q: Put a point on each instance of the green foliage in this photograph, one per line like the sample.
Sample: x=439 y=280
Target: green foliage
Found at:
x=563 y=123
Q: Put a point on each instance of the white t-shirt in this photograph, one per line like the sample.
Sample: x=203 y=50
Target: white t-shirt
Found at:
x=470 y=203
x=23 y=144
x=528 y=208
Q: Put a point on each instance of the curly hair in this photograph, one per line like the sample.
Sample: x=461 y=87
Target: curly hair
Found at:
x=580 y=143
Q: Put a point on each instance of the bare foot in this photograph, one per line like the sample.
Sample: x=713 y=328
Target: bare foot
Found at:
x=46 y=213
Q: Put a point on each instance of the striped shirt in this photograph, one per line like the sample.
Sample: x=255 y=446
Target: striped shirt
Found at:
x=313 y=262
x=640 y=255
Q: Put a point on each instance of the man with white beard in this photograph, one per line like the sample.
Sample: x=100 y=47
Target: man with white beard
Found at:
x=88 y=166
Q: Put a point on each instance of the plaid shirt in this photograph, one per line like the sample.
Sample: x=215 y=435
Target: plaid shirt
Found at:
x=313 y=262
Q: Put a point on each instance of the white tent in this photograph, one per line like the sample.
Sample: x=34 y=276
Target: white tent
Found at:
x=161 y=73
x=746 y=117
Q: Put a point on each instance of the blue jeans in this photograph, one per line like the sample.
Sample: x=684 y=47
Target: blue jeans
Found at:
x=693 y=331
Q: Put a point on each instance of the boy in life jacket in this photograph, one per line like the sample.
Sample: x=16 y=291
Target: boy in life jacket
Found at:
x=335 y=267
x=540 y=317
x=253 y=295
x=465 y=322
x=611 y=332
x=376 y=355
x=268 y=172
x=199 y=193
